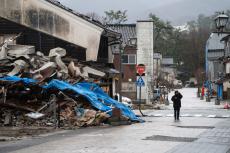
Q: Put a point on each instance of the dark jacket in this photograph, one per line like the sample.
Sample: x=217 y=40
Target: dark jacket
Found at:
x=177 y=100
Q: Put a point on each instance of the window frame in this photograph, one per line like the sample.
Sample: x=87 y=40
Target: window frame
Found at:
x=129 y=63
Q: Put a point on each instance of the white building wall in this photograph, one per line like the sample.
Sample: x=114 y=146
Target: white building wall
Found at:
x=145 y=56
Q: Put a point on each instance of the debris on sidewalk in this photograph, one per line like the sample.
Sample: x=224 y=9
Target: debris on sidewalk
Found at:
x=39 y=90
x=226 y=106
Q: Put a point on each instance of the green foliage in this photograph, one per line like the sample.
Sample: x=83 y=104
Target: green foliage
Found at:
x=115 y=17
x=186 y=47
x=162 y=31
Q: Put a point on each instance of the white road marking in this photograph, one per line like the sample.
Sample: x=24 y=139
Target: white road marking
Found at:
x=193 y=115
x=186 y=115
x=198 y=115
x=158 y=115
x=212 y=116
x=170 y=115
x=226 y=116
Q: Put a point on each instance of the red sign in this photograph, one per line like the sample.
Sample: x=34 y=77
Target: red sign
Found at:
x=140 y=69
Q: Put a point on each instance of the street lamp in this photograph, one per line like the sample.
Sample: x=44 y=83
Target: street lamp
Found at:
x=221 y=21
x=133 y=41
x=117 y=47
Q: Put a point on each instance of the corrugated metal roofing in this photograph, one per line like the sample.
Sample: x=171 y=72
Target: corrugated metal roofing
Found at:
x=127 y=30
x=214 y=41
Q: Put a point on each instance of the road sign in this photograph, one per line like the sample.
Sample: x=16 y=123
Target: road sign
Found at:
x=140 y=69
x=140 y=82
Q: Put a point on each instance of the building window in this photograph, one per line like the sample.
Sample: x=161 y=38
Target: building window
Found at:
x=129 y=59
x=125 y=59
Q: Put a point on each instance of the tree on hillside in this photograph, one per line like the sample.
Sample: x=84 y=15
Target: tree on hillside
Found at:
x=185 y=47
x=115 y=17
x=162 y=30
x=195 y=42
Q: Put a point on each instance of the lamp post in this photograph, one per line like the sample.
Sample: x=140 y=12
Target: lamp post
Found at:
x=220 y=21
x=133 y=42
x=117 y=47
x=121 y=49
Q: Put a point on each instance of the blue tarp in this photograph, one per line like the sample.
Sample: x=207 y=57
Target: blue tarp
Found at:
x=17 y=79
x=61 y=85
x=126 y=111
x=92 y=92
x=96 y=96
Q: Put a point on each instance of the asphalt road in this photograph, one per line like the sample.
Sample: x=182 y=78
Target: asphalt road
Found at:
x=199 y=130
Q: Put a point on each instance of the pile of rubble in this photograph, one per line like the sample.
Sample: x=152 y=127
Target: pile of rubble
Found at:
x=39 y=90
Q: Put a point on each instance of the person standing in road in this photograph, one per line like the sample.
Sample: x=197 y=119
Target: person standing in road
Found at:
x=176 y=104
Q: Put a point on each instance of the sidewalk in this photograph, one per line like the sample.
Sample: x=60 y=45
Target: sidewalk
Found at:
x=215 y=140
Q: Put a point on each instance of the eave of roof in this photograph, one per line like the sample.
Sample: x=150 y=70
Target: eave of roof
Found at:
x=85 y=17
x=225 y=38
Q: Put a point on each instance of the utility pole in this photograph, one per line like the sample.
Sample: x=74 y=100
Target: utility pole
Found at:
x=121 y=72
x=157 y=74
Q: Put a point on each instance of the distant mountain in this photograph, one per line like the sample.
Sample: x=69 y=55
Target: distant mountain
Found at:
x=185 y=10
x=182 y=28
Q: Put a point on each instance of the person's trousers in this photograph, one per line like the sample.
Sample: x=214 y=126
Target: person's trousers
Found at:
x=176 y=113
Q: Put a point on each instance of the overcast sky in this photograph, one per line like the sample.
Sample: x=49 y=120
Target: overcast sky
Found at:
x=176 y=11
